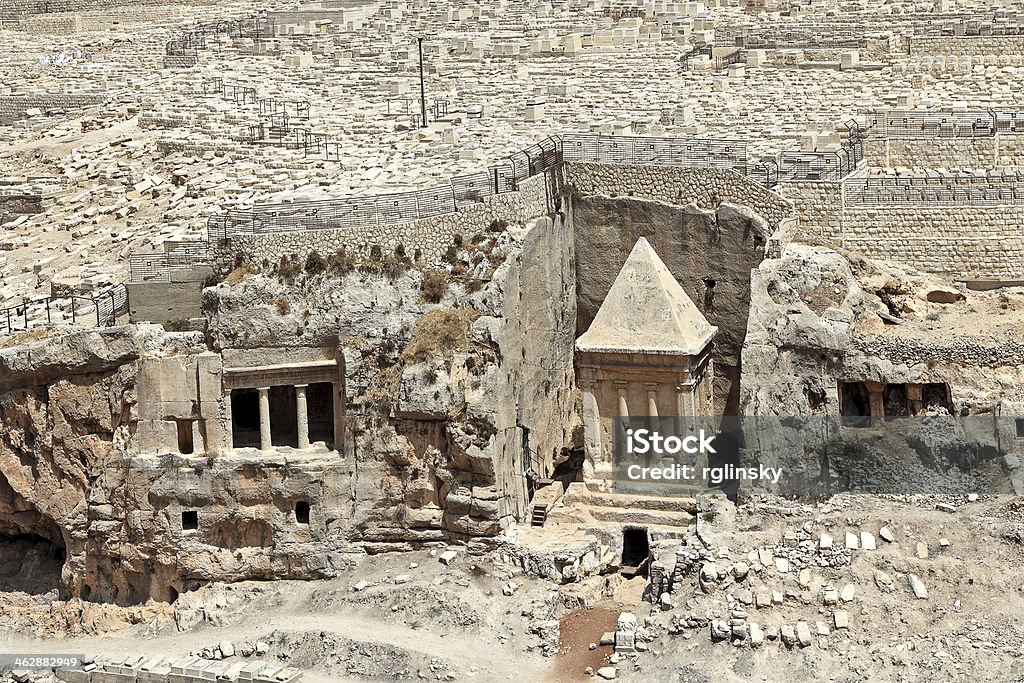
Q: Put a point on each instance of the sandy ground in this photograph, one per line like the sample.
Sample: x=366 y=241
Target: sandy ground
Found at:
x=455 y=623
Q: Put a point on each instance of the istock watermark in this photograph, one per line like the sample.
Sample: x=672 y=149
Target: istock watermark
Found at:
x=814 y=455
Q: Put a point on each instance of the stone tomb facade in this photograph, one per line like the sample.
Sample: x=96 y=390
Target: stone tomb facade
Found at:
x=211 y=403
x=647 y=353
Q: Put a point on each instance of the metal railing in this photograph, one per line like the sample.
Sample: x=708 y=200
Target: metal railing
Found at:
x=157 y=267
x=99 y=309
x=936 y=124
x=183 y=50
x=930 y=191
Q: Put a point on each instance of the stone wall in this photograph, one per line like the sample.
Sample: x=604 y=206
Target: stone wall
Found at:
x=984 y=240
x=705 y=187
x=430 y=237
x=21 y=9
x=818 y=206
x=13 y=107
x=67 y=23
x=934 y=152
x=967 y=45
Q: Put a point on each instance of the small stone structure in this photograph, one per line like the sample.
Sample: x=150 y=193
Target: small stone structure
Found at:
x=648 y=352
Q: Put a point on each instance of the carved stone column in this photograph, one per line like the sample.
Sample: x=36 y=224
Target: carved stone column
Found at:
x=876 y=401
x=265 y=441
x=302 y=415
x=591 y=422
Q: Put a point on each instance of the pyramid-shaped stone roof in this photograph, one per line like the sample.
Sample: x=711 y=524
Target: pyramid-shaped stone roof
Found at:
x=647 y=311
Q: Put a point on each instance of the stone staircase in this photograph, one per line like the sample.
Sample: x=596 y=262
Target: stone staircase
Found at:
x=665 y=517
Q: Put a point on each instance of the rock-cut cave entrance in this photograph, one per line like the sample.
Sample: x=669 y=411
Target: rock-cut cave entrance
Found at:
x=245 y=418
x=30 y=563
x=636 y=552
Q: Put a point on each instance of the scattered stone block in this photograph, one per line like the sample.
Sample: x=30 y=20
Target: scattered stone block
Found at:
x=886 y=535
x=803 y=633
x=626 y=622
x=917 y=585
x=841 y=619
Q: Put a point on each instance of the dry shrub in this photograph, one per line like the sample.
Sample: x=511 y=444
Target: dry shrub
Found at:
x=283 y=307
x=383 y=387
x=340 y=263
x=315 y=263
x=433 y=286
x=439 y=334
x=288 y=268
x=239 y=274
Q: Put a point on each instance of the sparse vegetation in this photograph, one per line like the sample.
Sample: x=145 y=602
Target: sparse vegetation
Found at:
x=498 y=225
x=430 y=376
x=315 y=264
x=238 y=274
x=340 y=263
x=433 y=286
x=439 y=334
x=288 y=268
x=282 y=305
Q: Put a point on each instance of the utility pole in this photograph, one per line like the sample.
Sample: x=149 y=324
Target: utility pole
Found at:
x=423 y=92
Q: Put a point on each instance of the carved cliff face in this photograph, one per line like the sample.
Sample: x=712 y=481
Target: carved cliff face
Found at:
x=697 y=245
x=448 y=404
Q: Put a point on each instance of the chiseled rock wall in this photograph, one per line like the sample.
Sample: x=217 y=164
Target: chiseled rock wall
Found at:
x=701 y=224
x=447 y=405
x=815 y=321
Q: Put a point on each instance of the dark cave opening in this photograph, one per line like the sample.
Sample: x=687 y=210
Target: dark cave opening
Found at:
x=636 y=551
x=30 y=563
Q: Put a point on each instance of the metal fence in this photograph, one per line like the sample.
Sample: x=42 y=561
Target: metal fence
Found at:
x=158 y=267
x=720 y=62
x=936 y=191
x=183 y=50
x=937 y=124
x=99 y=309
